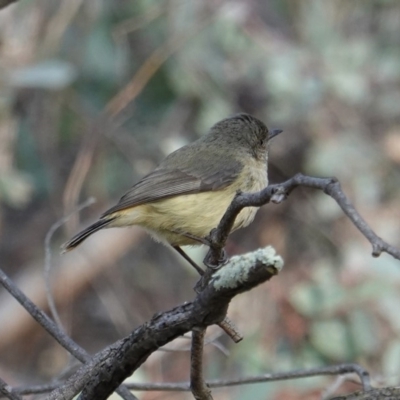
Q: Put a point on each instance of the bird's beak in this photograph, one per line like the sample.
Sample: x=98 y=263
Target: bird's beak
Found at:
x=273 y=133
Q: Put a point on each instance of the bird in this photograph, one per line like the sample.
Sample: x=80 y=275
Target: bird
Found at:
x=187 y=194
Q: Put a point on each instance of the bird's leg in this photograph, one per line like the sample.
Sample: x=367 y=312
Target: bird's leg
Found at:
x=216 y=256
x=209 y=260
x=189 y=260
x=205 y=275
x=226 y=325
x=193 y=237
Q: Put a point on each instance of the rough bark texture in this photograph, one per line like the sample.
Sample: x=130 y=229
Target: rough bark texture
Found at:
x=390 y=393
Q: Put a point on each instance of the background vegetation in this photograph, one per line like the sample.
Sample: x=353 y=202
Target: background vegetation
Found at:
x=328 y=73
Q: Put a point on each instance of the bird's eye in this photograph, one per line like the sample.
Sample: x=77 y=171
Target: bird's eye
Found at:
x=262 y=142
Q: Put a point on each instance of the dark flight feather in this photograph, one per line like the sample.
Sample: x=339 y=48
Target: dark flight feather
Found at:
x=81 y=236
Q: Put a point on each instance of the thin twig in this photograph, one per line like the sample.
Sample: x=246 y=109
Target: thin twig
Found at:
x=279 y=376
x=231 y=330
x=211 y=340
x=63 y=339
x=36 y=389
x=334 y=386
x=47 y=260
x=198 y=386
x=341 y=369
x=279 y=192
x=6 y=391
x=306 y=373
x=46 y=323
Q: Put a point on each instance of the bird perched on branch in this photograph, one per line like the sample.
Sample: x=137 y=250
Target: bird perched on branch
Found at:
x=185 y=197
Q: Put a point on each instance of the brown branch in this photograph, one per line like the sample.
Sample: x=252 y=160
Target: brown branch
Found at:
x=106 y=370
x=231 y=330
x=279 y=192
x=198 y=386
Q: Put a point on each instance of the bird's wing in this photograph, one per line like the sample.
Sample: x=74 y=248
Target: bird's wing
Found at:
x=163 y=183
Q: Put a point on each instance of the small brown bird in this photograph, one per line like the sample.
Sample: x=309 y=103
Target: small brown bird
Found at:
x=185 y=197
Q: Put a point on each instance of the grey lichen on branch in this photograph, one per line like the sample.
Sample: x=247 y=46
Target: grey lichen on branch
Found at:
x=238 y=273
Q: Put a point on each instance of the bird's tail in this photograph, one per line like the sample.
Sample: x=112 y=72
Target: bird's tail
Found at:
x=81 y=236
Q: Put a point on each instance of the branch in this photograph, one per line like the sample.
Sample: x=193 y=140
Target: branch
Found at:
x=340 y=369
x=231 y=330
x=47 y=262
x=108 y=368
x=62 y=338
x=6 y=390
x=389 y=393
x=279 y=192
x=197 y=385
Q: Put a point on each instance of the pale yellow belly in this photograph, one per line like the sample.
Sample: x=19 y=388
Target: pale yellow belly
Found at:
x=196 y=214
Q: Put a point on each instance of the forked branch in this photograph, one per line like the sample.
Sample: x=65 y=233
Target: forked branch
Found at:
x=279 y=192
